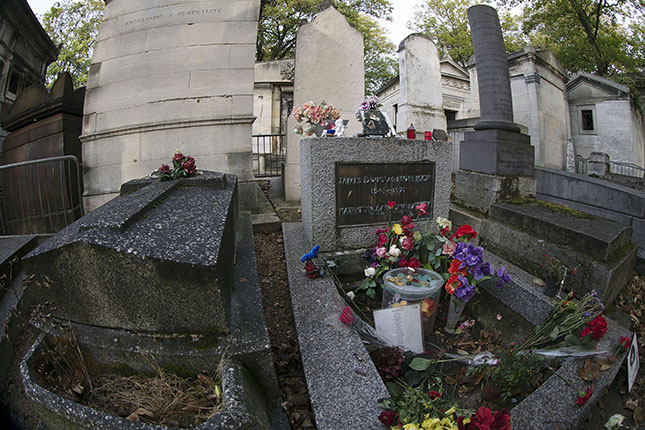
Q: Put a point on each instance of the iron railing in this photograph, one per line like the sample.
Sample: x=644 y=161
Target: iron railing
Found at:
x=626 y=169
x=269 y=152
x=40 y=196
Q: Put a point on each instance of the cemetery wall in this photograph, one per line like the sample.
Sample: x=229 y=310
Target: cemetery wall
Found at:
x=273 y=82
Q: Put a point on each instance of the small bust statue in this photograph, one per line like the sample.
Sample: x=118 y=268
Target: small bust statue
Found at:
x=340 y=128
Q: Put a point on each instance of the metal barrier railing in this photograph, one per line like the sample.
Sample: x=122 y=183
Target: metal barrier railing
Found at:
x=40 y=196
x=626 y=169
x=269 y=152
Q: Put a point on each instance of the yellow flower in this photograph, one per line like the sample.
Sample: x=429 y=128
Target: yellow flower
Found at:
x=397 y=229
x=411 y=426
x=451 y=411
x=430 y=423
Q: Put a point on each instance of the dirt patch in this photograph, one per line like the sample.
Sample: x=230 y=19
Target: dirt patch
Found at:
x=276 y=300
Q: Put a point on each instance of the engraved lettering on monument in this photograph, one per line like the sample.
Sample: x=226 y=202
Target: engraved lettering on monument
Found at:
x=363 y=190
x=166 y=16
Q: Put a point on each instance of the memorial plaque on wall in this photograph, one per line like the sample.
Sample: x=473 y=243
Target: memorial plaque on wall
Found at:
x=363 y=190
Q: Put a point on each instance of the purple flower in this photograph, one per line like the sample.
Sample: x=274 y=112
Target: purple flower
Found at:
x=481 y=270
x=466 y=291
x=468 y=253
x=502 y=277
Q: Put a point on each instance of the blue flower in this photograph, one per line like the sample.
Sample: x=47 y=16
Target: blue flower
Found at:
x=502 y=277
x=311 y=254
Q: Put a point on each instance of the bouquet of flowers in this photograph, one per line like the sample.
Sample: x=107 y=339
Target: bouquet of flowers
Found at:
x=182 y=166
x=369 y=103
x=399 y=245
x=313 y=114
x=467 y=266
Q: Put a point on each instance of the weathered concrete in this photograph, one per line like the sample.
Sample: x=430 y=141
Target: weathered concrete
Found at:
x=527 y=250
x=319 y=157
x=480 y=191
x=344 y=389
x=597 y=237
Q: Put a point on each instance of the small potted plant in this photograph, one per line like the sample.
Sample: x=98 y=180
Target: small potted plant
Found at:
x=513 y=371
x=556 y=274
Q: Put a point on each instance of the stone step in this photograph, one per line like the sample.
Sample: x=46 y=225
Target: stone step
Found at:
x=598 y=237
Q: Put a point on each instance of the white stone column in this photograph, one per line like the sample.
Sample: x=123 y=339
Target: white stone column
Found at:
x=420 y=102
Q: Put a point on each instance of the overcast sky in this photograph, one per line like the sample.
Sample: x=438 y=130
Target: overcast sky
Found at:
x=403 y=12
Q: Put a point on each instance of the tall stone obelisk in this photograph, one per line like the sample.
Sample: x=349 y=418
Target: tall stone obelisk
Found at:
x=167 y=75
x=496 y=161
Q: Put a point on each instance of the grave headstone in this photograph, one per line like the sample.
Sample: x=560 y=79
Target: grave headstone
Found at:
x=329 y=67
x=346 y=184
x=170 y=74
x=421 y=100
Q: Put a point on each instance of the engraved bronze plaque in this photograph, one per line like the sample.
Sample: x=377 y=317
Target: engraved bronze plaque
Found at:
x=363 y=190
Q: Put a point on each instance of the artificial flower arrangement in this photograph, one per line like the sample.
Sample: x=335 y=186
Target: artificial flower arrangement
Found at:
x=313 y=114
x=368 y=103
x=312 y=269
x=400 y=245
x=182 y=166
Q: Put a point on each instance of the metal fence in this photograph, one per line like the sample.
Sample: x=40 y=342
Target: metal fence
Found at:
x=40 y=196
x=269 y=152
x=626 y=169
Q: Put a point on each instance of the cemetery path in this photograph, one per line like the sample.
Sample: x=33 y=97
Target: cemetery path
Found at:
x=276 y=300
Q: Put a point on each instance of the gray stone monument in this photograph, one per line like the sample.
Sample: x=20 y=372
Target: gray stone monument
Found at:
x=167 y=75
x=496 y=160
x=347 y=182
x=329 y=67
x=421 y=101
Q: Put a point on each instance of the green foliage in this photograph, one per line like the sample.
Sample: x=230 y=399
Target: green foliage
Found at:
x=446 y=22
x=588 y=35
x=73 y=26
x=281 y=19
x=513 y=370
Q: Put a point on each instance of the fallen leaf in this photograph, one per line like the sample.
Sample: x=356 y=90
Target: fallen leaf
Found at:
x=539 y=282
x=133 y=417
x=204 y=380
x=141 y=412
x=590 y=371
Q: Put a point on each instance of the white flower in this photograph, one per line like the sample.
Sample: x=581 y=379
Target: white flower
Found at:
x=351 y=295
x=444 y=223
x=394 y=251
x=370 y=271
x=614 y=422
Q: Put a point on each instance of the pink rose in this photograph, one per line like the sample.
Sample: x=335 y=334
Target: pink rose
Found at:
x=449 y=248
x=422 y=208
x=381 y=252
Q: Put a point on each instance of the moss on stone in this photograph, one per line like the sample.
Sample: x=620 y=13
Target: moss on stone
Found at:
x=555 y=207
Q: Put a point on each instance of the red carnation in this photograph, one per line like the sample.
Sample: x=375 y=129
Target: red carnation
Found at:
x=347 y=317
x=189 y=166
x=584 y=396
x=178 y=156
x=391 y=204
x=484 y=419
x=465 y=231
x=585 y=332
x=164 y=169
x=598 y=327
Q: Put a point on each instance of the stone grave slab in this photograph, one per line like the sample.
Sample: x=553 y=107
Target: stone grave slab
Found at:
x=598 y=237
x=158 y=258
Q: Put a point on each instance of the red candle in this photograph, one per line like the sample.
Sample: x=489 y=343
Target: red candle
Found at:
x=412 y=133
